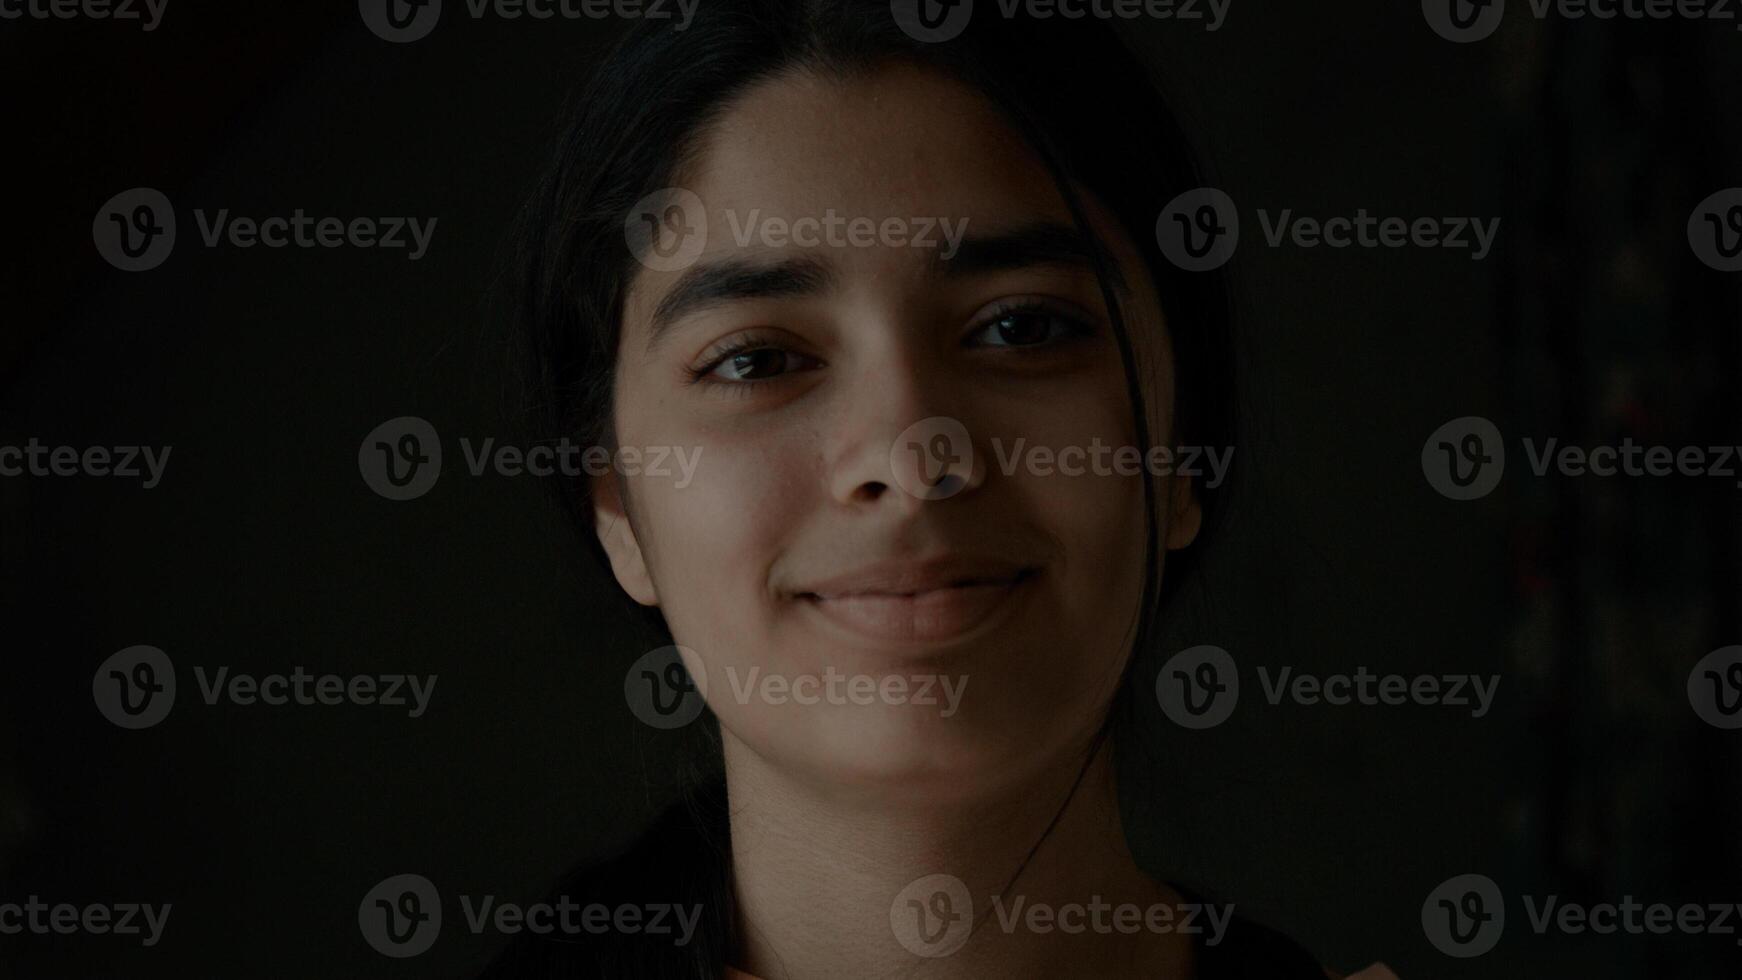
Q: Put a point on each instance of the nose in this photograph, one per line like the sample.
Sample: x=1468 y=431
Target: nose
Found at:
x=899 y=438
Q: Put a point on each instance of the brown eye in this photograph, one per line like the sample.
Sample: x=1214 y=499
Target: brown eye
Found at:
x=1026 y=328
x=756 y=365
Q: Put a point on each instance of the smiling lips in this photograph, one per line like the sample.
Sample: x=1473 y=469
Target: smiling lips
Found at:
x=923 y=602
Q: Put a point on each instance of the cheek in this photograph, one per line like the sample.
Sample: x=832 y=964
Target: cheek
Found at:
x=711 y=540
x=1068 y=479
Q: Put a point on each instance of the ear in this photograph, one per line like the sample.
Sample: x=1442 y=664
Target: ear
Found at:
x=1185 y=516
x=611 y=523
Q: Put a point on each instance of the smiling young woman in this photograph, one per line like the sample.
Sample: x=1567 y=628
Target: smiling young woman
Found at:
x=846 y=389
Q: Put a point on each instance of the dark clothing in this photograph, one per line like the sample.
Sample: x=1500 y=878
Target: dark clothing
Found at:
x=682 y=861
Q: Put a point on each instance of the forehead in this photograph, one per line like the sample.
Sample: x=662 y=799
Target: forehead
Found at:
x=897 y=141
x=898 y=144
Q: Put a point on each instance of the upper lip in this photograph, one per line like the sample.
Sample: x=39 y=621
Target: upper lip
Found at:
x=910 y=577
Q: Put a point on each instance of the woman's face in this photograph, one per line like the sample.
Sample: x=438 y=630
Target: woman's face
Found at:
x=868 y=607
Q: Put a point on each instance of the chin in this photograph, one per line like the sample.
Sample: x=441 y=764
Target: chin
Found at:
x=893 y=754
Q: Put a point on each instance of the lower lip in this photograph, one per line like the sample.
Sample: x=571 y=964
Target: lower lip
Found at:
x=924 y=617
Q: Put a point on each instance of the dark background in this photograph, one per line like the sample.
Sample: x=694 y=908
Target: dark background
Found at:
x=263 y=549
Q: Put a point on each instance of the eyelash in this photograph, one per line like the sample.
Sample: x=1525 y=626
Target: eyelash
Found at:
x=1075 y=328
x=745 y=344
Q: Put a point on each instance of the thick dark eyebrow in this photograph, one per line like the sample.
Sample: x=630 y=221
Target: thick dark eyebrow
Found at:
x=1042 y=243
x=1039 y=244
x=709 y=284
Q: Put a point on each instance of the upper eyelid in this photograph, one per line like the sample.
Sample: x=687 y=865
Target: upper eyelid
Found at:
x=755 y=333
x=1031 y=304
x=757 y=338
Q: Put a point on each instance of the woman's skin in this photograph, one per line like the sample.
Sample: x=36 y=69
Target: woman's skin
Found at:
x=795 y=551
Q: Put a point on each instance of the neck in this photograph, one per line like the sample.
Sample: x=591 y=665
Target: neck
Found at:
x=820 y=875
